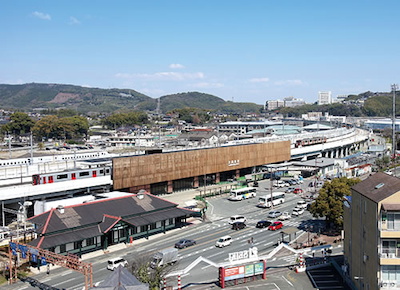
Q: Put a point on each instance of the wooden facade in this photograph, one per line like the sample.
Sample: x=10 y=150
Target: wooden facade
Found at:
x=143 y=170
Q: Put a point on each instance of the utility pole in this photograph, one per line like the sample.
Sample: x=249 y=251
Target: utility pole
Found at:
x=394 y=143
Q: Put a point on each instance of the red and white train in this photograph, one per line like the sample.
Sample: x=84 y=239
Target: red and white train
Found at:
x=46 y=178
x=309 y=141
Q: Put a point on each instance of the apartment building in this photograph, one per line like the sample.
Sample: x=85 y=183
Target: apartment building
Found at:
x=324 y=98
x=372 y=233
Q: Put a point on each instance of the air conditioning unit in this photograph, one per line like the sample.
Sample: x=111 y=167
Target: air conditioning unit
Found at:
x=385 y=284
x=392 y=255
x=383 y=255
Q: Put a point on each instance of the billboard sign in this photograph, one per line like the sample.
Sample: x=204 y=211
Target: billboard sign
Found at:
x=234 y=273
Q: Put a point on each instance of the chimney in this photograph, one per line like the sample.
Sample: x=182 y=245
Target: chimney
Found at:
x=60 y=209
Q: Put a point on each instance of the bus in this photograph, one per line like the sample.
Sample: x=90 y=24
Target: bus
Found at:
x=277 y=198
x=242 y=193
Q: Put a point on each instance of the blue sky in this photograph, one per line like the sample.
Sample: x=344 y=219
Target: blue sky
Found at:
x=242 y=51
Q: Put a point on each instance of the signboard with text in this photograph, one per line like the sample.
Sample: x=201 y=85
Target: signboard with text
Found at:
x=234 y=273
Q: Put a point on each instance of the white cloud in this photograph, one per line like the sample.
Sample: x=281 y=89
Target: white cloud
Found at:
x=173 y=76
x=176 y=66
x=207 y=85
x=41 y=15
x=259 y=80
x=290 y=83
x=73 y=21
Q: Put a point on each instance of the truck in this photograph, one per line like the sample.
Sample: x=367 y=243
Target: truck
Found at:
x=164 y=257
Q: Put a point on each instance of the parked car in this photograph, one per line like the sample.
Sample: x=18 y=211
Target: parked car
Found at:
x=298 y=191
x=238 y=226
x=263 y=224
x=184 y=243
x=274 y=214
x=223 y=241
x=290 y=189
x=285 y=216
x=297 y=211
x=275 y=226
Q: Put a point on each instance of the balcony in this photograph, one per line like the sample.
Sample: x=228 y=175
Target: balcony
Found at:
x=389 y=230
x=390 y=257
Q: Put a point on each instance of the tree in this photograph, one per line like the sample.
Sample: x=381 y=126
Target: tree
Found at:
x=61 y=128
x=329 y=203
x=382 y=162
x=20 y=123
x=140 y=268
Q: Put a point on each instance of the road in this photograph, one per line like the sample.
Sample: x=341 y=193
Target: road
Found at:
x=205 y=234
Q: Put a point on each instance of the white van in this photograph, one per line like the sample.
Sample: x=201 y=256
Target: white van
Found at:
x=301 y=204
x=237 y=218
x=223 y=241
x=115 y=263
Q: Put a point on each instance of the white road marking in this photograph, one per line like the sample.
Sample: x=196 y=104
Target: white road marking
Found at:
x=287 y=281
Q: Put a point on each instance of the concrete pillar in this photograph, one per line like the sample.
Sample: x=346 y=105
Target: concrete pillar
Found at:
x=196 y=181
x=170 y=187
x=217 y=177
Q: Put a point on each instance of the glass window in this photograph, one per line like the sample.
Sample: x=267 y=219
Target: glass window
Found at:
x=90 y=241
x=63 y=248
x=390 y=218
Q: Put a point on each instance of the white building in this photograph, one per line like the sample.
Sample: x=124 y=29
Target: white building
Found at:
x=324 y=98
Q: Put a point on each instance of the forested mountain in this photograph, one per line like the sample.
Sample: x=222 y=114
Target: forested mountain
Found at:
x=94 y=100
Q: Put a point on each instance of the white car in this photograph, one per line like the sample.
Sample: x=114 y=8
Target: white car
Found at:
x=280 y=183
x=297 y=211
x=301 y=204
x=237 y=218
x=285 y=216
x=116 y=262
x=223 y=241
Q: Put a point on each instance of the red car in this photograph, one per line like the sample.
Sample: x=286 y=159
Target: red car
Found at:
x=297 y=191
x=275 y=226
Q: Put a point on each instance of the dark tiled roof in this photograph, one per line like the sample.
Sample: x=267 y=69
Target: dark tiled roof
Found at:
x=378 y=186
x=157 y=216
x=121 y=278
x=92 y=213
x=108 y=223
x=53 y=240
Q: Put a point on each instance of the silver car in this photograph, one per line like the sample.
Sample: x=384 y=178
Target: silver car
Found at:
x=274 y=214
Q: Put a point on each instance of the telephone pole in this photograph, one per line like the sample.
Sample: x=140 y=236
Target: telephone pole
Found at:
x=394 y=143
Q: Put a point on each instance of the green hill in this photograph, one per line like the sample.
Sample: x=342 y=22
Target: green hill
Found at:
x=95 y=100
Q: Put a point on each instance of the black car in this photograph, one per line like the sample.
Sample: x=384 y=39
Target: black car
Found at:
x=184 y=243
x=263 y=224
x=238 y=226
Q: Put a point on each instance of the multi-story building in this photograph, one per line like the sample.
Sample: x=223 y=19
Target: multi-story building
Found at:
x=324 y=98
x=287 y=102
x=372 y=233
x=275 y=104
x=293 y=102
x=240 y=128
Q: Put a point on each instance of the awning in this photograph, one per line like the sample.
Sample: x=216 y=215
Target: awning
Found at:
x=289 y=231
x=391 y=206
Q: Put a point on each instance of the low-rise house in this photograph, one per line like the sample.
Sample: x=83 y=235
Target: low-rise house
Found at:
x=91 y=226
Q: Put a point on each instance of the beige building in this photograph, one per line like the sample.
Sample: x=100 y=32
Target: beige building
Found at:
x=372 y=233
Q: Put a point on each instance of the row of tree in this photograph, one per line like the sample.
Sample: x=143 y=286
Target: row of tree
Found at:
x=50 y=126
